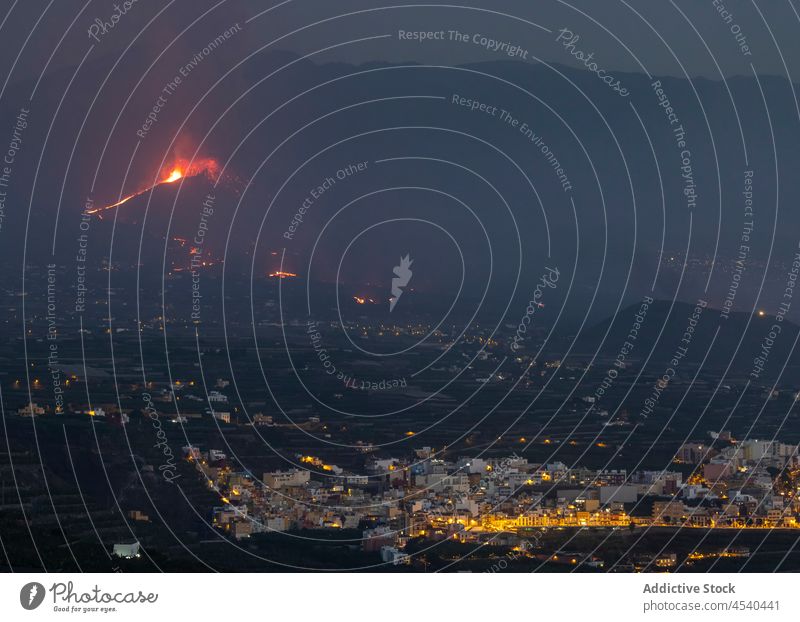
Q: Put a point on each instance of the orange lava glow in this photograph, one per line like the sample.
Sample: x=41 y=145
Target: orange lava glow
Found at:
x=175 y=175
x=176 y=171
x=360 y=300
x=282 y=275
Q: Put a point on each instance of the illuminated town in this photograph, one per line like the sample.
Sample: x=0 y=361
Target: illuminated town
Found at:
x=746 y=486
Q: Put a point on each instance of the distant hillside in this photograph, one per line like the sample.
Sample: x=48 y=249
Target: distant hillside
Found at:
x=664 y=331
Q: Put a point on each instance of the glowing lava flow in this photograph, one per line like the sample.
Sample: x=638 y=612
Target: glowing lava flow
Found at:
x=207 y=167
x=173 y=176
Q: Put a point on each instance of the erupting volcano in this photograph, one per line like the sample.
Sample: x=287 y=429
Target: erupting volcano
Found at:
x=170 y=174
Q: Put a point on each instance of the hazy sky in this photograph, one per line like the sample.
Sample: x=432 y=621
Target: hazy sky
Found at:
x=615 y=30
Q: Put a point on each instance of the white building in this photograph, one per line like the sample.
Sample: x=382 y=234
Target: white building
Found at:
x=283 y=479
x=225 y=417
x=31 y=410
x=395 y=556
x=216 y=396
